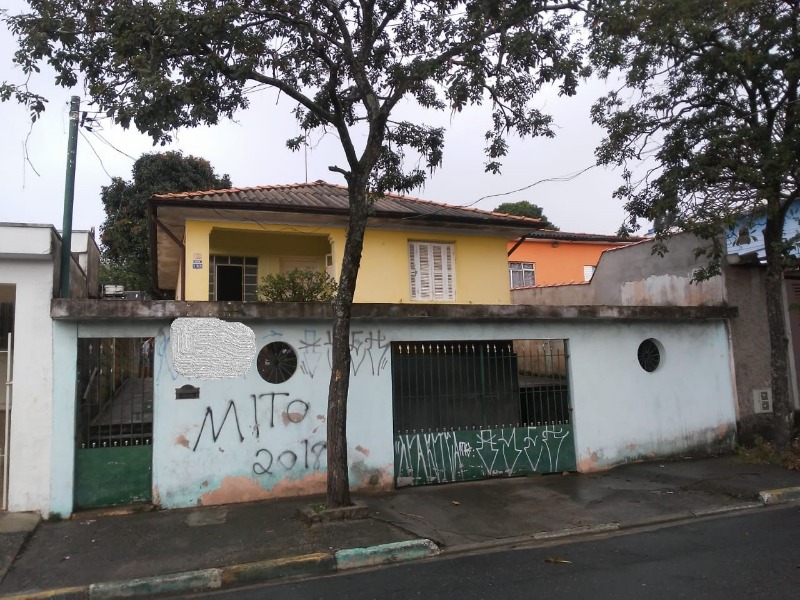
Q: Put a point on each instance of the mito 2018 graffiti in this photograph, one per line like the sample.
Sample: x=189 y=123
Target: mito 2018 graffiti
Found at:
x=445 y=456
x=266 y=412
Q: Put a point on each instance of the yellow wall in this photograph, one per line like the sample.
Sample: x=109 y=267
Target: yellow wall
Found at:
x=480 y=261
x=558 y=262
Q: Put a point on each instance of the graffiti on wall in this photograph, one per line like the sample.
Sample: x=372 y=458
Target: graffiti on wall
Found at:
x=259 y=414
x=439 y=457
x=369 y=351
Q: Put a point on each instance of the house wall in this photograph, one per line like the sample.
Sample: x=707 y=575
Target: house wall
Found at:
x=634 y=276
x=384 y=275
x=267 y=440
x=32 y=407
x=558 y=261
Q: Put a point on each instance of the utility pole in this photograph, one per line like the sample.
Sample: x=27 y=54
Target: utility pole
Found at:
x=69 y=198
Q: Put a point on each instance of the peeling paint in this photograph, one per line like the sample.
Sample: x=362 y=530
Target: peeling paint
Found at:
x=589 y=463
x=234 y=489
x=320 y=417
x=182 y=440
x=292 y=417
x=364 y=451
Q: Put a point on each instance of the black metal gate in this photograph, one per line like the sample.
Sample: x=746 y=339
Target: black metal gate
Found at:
x=476 y=409
x=114 y=390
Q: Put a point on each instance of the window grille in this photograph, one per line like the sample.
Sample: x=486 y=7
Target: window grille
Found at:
x=521 y=274
x=432 y=271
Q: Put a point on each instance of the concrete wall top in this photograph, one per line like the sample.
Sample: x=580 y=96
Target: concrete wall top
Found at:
x=79 y=310
x=22 y=240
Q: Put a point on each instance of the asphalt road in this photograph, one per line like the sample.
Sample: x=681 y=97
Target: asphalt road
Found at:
x=753 y=555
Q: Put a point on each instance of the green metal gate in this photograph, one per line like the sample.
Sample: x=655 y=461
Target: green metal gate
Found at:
x=114 y=455
x=474 y=410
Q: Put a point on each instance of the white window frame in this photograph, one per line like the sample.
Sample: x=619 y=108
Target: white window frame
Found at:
x=523 y=268
x=432 y=271
x=588 y=271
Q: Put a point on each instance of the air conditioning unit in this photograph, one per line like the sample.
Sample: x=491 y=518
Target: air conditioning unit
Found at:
x=762 y=400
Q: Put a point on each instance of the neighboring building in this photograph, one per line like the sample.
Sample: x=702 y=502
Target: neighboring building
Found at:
x=548 y=257
x=634 y=276
x=30 y=266
x=217 y=245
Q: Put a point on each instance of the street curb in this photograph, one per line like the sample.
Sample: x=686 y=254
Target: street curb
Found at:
x=68 y=593
x=203 y=580
x=207 y=580
x=779 y=496
x=265 y=570
x=721 y=510
x=576 y=531
x=353 y=558
x=658 y=520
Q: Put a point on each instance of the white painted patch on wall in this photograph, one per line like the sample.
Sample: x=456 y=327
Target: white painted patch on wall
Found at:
x=209 y=348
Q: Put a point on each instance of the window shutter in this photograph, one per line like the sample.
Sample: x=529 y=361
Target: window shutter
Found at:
x=432 y=271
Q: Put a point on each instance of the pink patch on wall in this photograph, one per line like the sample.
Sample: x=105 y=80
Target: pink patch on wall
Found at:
x=589 y=464
x=234 y=489
x=182 y=440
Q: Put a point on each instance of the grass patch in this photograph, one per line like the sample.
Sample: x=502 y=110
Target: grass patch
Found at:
x=764 y=452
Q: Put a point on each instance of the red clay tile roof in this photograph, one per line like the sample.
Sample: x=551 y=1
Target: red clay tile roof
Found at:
x=326 y=198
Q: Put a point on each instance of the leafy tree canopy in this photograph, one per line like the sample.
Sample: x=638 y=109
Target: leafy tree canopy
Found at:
x=523 y=208
x=125 y=233
x=711 y=106
x=345 y=65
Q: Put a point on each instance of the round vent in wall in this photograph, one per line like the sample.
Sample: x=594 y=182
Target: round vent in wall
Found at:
x=649 y=355
x=276 y=362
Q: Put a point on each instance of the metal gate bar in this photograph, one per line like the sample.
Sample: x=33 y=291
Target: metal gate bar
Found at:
x=115 y=393
x=458 y=385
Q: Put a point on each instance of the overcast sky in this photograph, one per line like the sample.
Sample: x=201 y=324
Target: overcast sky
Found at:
x=252 y=151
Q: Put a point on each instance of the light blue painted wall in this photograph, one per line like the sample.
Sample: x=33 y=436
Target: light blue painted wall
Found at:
x=620 y=413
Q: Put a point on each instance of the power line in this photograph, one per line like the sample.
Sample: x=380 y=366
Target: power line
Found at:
x=96 y=154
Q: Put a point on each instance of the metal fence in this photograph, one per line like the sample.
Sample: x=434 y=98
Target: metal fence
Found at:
x=455 y=385
x=115 y=392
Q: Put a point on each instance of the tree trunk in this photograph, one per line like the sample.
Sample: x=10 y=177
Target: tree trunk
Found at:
x=338 y=480
x=778 y=340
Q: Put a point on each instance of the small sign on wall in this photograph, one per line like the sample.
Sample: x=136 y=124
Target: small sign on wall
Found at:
x=197 y=261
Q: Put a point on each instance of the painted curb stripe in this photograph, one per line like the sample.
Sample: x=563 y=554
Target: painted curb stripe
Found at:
x=780 y=495
x=265 y=570
x=60 y=593
x=190 y=581
x=353 y=558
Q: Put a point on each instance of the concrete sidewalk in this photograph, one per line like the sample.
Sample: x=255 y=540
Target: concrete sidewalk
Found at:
x=150 y=553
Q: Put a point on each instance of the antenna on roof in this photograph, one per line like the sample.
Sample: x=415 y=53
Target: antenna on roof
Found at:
x=305 y=152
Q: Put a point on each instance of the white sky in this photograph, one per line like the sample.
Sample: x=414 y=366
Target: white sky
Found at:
x=252 y=151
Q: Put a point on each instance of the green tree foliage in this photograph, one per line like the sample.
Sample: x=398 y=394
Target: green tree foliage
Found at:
x=297 y=285
x=346 y=66
x=711 y=105
x=125 y=234
x=523 y=208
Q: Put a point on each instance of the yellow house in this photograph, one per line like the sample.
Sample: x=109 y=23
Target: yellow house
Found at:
x=218 y=244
